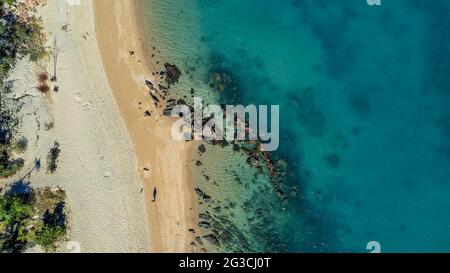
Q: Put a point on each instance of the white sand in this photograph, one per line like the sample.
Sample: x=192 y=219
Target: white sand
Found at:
x=97 y=167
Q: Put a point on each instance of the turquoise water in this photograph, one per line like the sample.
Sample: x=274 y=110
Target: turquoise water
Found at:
x=365 y=122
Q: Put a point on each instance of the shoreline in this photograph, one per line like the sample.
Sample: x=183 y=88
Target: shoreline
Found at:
x=163 y=163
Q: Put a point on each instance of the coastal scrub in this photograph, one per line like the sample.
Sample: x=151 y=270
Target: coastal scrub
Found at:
x=52 y=157
x=21 y=35
x=32 y=217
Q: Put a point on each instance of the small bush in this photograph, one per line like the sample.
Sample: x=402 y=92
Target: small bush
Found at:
x=14 y=210
x=15 y=213
x=35 y=217
x=52 y=157
x=21 y=145
x=48 y=236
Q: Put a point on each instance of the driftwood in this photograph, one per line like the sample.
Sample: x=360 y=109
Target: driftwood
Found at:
x=55 y=54
x=23 y=96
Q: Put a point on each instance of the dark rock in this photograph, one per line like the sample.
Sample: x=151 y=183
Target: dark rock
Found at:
x=167 y=112
x=236 y=148
x=173 y=73
x=333 y=160
x=199 y=240
x=204 y=224
x=211 y=238
x=162 y=87
x=254 y=160
x=206 y=197
x=154 y=98
x=149 y=84
x=249 y=146
x=199 y=192
x=202 y=148
x=147 y=114
x=294 y=191
x=280 y=194
x=204 y=216
x=221 y=81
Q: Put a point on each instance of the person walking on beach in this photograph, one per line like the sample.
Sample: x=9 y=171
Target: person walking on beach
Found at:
x=155 y=192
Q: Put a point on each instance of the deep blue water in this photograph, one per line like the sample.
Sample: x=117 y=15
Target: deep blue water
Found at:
x=364 y=95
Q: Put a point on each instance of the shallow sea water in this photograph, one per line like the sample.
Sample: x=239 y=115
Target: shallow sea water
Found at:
x=365 y=122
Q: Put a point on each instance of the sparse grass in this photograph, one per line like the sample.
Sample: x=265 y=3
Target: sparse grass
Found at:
x=50 y=204
x=13 y=168
x=48 y=197
x=21 y=145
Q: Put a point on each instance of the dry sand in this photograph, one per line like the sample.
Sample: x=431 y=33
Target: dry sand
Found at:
x=97 y=167
x=112 y=156
x=163 y=162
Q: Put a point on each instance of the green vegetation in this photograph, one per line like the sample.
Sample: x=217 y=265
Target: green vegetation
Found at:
x=9 y=2
x=9 y=167
x=8 y=164
x=27 y=216
x=52 y=157
x=36 y=217
x=48 y=236
x=20 y=36
x=21 y=145
x=14 y=210
x=15 y=213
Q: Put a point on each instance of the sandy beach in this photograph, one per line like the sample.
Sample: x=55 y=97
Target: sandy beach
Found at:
x=113 y=154
x=163 y=163
x=98 y=167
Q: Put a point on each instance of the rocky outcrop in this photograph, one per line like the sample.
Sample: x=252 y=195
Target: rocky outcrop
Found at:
x=173 y=73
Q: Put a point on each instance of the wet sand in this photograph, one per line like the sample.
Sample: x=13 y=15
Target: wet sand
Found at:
x=163 y=163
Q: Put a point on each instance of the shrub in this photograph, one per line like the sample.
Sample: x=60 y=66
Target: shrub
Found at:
x=52 y=157
x=48 y=236
x=8 y=166
x=19 y=37
x=14 y=210
x=21 y=145
x=35 y=217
